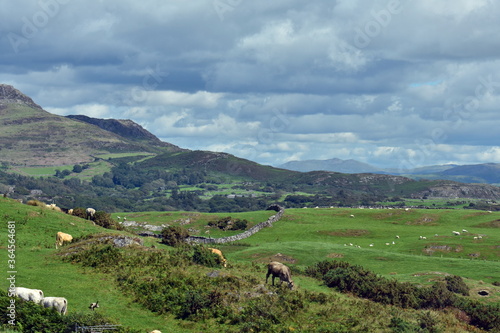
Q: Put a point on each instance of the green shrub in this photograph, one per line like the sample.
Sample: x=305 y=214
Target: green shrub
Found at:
x=80 y=212
x=105 y=220
x=457 y=285
x=174 y=236
x=205 y=257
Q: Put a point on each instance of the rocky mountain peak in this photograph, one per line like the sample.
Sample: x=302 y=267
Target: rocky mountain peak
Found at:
x=10 y=95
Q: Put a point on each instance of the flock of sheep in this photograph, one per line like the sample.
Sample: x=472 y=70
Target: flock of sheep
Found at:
x=456 y=233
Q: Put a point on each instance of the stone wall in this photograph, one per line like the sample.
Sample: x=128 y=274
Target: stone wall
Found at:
x=256 y=228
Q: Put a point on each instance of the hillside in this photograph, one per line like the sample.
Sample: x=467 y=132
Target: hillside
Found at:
x=170 y=289
x=30 y=136
x=334 y=164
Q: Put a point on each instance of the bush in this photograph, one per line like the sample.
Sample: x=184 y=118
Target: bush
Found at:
x=205 y=257
x=104 y=220
x=80 y=212
x=174 y=236
x=457 y=285
x=227 y=223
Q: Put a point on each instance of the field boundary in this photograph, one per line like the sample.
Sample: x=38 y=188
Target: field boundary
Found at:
x=253 y=230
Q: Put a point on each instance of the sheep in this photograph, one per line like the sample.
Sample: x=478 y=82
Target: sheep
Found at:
x=456 y=233
x=351 y=215
x=277 y=269
x=90 y=213
x=463 y=230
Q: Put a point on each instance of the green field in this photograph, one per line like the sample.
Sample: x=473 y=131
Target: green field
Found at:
x=301 y=238
x=310 y=235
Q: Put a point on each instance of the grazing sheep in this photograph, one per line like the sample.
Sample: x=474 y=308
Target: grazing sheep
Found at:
x=26 y=294
x=94 y=306
x=277 y=269
x=58 y=303
x=155 y=331
x=90 y=213
x=456 y=233
x=351 y=215
x=463 y=230
x=70 y=211
x=61 y=238
x=219 y=253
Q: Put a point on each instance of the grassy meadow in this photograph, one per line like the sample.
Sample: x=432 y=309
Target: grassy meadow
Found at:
x=301 y=238
x=306 y=236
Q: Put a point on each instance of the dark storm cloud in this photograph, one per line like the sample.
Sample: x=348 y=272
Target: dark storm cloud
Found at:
x=387 y=82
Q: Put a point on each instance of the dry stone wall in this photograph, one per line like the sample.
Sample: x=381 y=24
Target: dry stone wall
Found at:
x=256 y=228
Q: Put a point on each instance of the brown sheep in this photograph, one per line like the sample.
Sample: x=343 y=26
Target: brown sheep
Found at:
x=219 y=253
x=277 y=269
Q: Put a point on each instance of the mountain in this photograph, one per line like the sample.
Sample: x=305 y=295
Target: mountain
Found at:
x=478 y=173
x=488 y=173
x=334 y=164
x=31 y=136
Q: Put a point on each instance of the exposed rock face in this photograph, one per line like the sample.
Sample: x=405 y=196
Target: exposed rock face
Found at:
x=10 y=95
x=125 y=128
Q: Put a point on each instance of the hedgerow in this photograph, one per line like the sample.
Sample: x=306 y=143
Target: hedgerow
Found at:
x=364 y=283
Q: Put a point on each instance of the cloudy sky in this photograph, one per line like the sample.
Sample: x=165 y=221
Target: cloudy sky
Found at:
x=393 y=83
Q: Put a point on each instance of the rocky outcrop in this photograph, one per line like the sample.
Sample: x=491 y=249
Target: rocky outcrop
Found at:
x=125 y=128
x=460 y=190
x=10 y=95
x=256 y=228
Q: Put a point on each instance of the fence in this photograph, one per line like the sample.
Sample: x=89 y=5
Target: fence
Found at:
x=256 y=228
x=95 y=329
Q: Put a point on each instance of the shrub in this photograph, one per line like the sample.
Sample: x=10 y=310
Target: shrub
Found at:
x=457 y=285
x=174 y=236
x=36 y=203
x=227 y=223
x=104 y=220
x=80 y=212
x=205 y=257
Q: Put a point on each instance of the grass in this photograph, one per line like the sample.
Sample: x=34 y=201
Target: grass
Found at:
x=311 y=235
x=301 y=238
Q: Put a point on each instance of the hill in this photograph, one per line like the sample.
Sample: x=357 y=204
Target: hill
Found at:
x=30 y=136
x=487 y=173
x=334 y=164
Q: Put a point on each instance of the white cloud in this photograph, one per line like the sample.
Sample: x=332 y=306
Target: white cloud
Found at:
x=274 y=81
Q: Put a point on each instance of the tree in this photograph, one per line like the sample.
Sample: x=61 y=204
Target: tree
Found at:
x=77 y=168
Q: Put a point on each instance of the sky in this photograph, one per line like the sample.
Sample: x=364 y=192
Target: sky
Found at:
x=392 y=83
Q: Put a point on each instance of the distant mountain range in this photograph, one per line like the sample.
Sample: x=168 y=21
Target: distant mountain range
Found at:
x=488 y=173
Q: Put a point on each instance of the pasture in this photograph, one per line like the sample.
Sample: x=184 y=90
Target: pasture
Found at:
x=301 y=238
x=311 y=235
